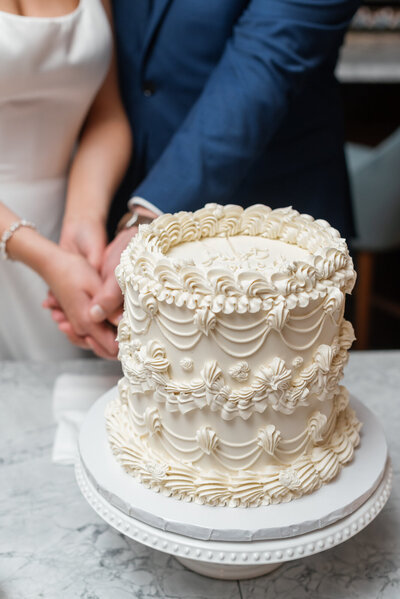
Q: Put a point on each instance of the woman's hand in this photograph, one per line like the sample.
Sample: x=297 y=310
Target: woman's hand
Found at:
x=86 y=237
x=74 y=282
x=105 y=306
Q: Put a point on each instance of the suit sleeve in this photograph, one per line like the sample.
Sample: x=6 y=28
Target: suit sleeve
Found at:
x=275 y=48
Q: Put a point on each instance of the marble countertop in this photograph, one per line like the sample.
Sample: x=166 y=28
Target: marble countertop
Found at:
x=52 y=545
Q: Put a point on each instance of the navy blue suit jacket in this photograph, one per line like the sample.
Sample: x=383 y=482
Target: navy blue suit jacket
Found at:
x=235 y=101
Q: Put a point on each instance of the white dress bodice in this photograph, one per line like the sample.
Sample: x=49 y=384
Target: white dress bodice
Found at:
x=50 y=72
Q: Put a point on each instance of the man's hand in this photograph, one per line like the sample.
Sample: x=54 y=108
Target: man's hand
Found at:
x=107 y=302
x=86 y=237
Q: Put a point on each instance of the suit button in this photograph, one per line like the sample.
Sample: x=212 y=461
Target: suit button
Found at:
x=148 y=88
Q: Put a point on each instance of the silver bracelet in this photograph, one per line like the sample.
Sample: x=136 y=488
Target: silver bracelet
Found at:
x=8 y=233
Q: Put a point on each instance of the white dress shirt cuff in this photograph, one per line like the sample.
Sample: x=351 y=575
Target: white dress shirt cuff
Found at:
x=138 y=201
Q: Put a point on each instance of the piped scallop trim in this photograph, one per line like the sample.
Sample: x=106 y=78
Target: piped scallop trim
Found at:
x=246 y=488
x=146 y=267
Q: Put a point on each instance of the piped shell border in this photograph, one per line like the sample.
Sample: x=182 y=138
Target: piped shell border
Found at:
x=146 y=267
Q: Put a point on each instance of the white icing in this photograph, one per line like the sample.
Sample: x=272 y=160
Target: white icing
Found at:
x=297 y=362
x=149 y=267
x=207 y=439
x=274 y=383
x=204 y=320
x=268 y=438
x=275 y=376
x=186 y=364
x=152 y=421
x=242 y=252
x=245 y=488
x=237 y=335
x=240 y=371
x=290 y=479
x=316 y=425
x=232 y=455
x=233 y=345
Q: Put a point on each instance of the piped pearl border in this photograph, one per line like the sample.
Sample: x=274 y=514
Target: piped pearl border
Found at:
x=146 y=267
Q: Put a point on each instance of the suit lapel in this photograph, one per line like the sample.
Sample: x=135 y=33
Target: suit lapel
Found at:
x=157 y=13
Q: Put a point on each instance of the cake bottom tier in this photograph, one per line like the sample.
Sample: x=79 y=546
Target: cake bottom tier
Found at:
x=245 y=488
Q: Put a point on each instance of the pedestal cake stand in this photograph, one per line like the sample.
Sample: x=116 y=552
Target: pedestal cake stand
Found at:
x=235 y=543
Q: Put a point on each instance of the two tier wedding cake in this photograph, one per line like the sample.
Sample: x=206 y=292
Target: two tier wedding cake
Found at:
x=233 y=344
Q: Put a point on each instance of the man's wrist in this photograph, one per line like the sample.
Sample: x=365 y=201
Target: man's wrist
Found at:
x=130 y=220
x=95 y=207
x=140 y=204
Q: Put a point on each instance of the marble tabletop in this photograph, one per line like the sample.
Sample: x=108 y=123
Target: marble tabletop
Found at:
x=52 y=545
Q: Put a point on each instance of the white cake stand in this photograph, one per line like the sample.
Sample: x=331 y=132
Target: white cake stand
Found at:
x=235 y=543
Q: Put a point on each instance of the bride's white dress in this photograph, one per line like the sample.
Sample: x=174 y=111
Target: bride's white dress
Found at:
x=50 y=72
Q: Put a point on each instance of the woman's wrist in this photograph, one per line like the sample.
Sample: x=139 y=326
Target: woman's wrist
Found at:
x=50 y=265
x=32 y=249
x=7 y=234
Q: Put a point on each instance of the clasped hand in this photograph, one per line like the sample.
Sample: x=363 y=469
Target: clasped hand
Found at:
x=84 y=298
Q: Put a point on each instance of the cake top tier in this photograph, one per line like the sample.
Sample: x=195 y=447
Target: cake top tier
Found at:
x=238 y=253
x=229 y=259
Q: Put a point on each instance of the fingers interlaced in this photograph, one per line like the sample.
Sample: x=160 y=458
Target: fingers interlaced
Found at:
x=51 y=302
x=91 y=307
x=109 y=353
x=107 y=303
x=58 y=316
x=66 y=328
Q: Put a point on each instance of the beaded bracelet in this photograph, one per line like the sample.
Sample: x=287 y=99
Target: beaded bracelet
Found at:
x=8 y=233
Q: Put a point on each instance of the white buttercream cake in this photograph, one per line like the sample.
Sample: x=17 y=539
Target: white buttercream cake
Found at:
x=233 y=344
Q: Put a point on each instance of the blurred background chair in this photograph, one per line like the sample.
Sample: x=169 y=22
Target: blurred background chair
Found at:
x=375 y=182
